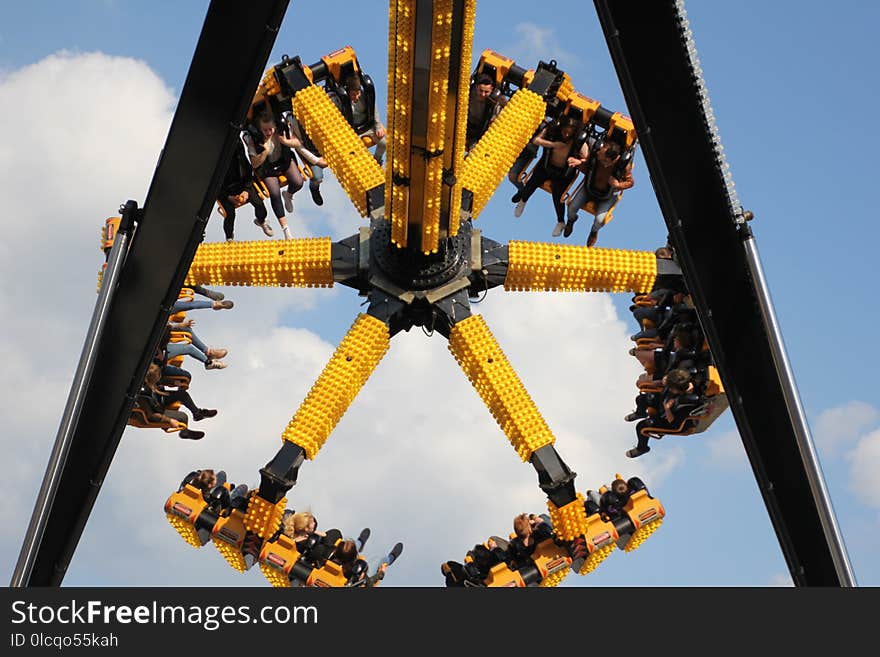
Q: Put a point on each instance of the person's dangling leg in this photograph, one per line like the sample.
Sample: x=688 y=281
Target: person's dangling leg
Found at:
x=294 y=184
x=260 y=212
x=229 y=220
x=274 y=187
x=315 y=184
x=602 y=208
x=536 y=179
x=557 y=189
x=186 y=349
x=182 y=305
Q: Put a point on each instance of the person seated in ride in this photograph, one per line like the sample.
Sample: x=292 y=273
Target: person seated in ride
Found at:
x=271 y=156
x=529 y=530
x=591 y=502
x=204 y=480
x=238 y=188
x=529 y=153
x=362 y=115
x=310 y=155
x=196 y=348
x=300 y=526
x=683 y=355
x=353 y=568
x=164 y=396
x=484 y=105
x=677 y=405
x=614 y=499
x=558 y=164
x=149 y=403
x=604 y=181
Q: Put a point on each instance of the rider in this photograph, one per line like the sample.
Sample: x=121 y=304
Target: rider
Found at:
x=483 y=107
x=604 y=180
x=562 y=155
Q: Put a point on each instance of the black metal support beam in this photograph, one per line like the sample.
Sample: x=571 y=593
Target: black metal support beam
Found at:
x=234 y=45
x=651 y=49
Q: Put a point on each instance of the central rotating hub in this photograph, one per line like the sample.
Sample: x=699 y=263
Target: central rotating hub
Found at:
x=413 y=270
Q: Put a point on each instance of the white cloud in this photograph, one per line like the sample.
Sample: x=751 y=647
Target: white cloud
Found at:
x=780 y=579
x=864 y=465
x=539 y=43
x=726 y=451
x=70 y=164
x=842 y=425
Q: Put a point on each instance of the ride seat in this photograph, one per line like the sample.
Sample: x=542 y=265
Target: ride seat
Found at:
x=228 y=535
x=327 y=576
x=188 y=512
x=181 y=336
x=645 y=515
x=277 y=559
x=501 y=575
x=599 y=537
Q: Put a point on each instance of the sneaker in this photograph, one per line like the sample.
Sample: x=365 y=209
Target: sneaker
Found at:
x=213 y=295
x=632 y=417
x=362 y=538
x=518 y=210
x=288 y=200
x=316 y=195
x=569 y=226
x=202 y=413
x=217 y=353
x=189 y=434
x=516 y=198
x=264 y=225
x=215 y=365
x=591 y=240
x=229 y=239
x=226 y=304
x=559 y=228
x=287 y=234
x=396 y=551
x=635 y=452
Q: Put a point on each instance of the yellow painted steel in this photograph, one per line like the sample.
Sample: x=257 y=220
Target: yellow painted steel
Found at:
x=228 y=536
x=714 y=385
x=277 y=558
x=487 y=368
x=401 y=37
x=182 y=509
x=554 y=578
x=460 y=117
x=349 y=368
x=351 y=162
x=641 y=535
x=569 y=521
x=553 y=562
x=490 y=159
x=646 y=514
x=304 y=262
x=263 y=518
x=186 y=530
x=542 y=266
x=596 y=557
x=276 y=578
x=435 y=142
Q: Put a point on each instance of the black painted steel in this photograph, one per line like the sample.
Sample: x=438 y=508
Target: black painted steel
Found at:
x=648 y=44
x=229 y=59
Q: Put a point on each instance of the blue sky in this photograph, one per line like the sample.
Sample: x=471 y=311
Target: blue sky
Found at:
x=794 y=93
